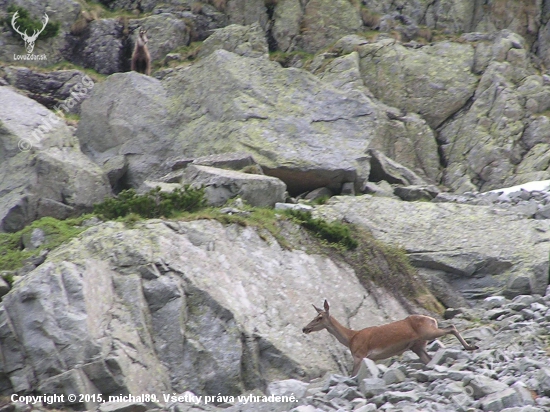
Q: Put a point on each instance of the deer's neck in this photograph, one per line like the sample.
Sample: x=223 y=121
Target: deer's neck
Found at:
x=340 y=332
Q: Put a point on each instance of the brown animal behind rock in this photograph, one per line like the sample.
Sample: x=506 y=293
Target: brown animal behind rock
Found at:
x=141 y=59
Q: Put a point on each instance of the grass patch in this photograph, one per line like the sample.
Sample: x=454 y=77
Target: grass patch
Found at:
x=71 y=119
x=388 y=266
x=332 y=232
x=153 y=204
x=12 y=252
x=264 y=220
x=321 y=200
x=65 y=65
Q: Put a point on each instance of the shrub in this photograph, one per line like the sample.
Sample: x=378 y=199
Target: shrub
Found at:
x=333 y=232
x=26 y=24
x=152 y=204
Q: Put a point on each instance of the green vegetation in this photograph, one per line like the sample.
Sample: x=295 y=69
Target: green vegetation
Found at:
x=321 y=200
x=152 y=204
x=388 y=266
x=374 y=262
x=264 y=220
x=65 y=65
x=26 y=24
x=12 y=251
x=332 y=232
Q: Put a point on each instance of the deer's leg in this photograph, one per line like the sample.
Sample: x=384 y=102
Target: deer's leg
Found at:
x=438 y=332
x=420 y=349
x=452 y=329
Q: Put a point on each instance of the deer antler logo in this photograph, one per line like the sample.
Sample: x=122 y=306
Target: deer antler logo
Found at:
x=29 y=40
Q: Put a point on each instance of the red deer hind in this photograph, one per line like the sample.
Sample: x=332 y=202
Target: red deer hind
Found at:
x=381 y=342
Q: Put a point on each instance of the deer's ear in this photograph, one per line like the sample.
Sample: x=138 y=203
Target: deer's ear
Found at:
x=317 y=309
x=326 y=306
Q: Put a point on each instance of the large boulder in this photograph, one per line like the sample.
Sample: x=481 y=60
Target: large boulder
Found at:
x=172 y=306
x=42 y=170
x=221 y=185
x=478 y=250
x=298 y=128
x=126 y=116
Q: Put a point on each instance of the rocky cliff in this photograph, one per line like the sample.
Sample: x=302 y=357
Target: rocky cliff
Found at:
x=412 y=117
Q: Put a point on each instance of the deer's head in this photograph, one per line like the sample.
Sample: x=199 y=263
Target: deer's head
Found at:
x=29 y=40
x=320 y=322
x=142 y=37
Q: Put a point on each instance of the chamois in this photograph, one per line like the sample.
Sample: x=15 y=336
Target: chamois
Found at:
x=141 y=59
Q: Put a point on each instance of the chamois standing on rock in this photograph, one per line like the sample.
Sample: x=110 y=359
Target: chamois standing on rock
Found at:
x=141 y=59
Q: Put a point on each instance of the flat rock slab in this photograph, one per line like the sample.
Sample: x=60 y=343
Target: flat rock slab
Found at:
x=221 y=185
x=476 y=248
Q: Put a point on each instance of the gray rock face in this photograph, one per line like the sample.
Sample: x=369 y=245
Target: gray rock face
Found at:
x=503 y=146
x=247 y=12
x=100 y=47
x=477 y=249
x=484 y=100
x=442 y=71
x=313 y=25
x=527 y=18
x=203 y=306
x=42 y=171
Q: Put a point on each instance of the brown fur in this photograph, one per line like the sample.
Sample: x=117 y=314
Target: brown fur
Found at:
x=370 y=19
x=381 y=342
x=141 y=59
x=82 y=22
